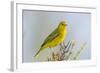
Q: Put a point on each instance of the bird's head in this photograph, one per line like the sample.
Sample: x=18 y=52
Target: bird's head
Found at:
x=62 y=25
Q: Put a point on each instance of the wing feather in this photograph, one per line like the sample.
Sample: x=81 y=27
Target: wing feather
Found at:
x=52 y=36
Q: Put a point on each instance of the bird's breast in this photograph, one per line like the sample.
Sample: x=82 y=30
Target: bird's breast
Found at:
x=63 y=35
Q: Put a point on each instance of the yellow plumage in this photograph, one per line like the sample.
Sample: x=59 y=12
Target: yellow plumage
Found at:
x=55 y=38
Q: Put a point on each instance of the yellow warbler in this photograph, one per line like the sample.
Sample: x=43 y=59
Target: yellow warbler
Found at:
x=55 y=38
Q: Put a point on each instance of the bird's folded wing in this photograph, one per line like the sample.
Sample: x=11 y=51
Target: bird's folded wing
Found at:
x=51 y=37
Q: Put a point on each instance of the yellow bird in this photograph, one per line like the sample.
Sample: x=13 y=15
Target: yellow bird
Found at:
x=55 y=38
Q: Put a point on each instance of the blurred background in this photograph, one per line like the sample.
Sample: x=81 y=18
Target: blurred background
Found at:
x=37 y=25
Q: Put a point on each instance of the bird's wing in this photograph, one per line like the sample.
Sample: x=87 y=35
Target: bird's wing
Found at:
x=52 y=36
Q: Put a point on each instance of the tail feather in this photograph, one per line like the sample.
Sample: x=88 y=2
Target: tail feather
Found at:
x=38 y=51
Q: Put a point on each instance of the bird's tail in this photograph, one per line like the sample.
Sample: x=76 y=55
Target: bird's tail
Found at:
x=38 y=52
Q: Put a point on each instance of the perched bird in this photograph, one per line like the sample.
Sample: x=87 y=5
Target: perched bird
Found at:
x=55 y=38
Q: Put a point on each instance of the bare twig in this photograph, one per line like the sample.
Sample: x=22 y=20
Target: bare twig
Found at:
x=66 y=52
x=79 y=52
